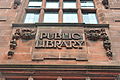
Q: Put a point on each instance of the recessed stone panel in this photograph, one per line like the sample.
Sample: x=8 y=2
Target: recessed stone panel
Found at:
x=63 y=43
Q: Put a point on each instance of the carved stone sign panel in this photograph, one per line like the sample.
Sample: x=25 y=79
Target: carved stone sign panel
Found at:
x=48 y=38
x=60 y=43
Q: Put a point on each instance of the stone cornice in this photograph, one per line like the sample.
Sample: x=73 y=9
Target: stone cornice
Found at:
x=61 y=24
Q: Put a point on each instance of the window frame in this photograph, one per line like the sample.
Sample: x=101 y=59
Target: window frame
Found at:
x=96 y=19
x=61 y=10
x=35 y=14
x=73 y=12
x=50 y=12
x=40 y=6
x=87 y=6
x=50 y=1
x=67 y=1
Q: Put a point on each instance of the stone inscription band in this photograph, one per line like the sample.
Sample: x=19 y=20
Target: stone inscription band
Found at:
x=59 y=40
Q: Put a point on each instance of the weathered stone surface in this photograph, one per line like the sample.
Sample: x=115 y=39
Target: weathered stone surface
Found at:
x=94 y=50
x=91 y=62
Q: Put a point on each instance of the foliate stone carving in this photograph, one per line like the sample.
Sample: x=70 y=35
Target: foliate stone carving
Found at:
x=93 y=35
x=100 y=34
x=13 y=44
x=105 y=3
x=97 y=34
x=109 y=54
x=16 y=35
x=10 y=54
x=104 y=36
x=107 y=45
x=16 y=3
x=27 y=34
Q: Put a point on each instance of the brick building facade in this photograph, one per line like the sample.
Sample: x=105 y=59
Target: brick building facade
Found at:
x=59 y=39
